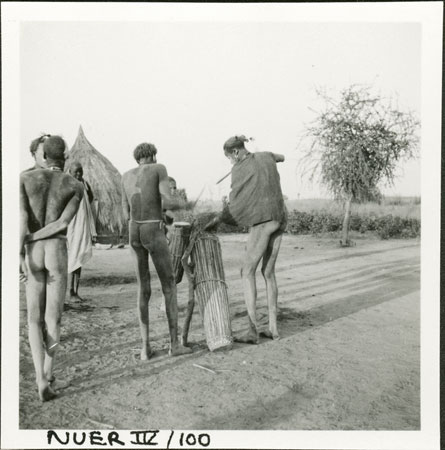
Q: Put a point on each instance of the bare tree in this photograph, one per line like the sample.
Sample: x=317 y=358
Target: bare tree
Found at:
x=356 y=143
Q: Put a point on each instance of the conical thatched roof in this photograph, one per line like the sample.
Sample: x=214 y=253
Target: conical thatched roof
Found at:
x=105 y=180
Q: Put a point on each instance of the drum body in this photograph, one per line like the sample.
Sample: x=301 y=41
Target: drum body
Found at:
x=211 y=291
x=179 y=240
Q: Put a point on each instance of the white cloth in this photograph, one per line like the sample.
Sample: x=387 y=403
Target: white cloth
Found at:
x=81 y=231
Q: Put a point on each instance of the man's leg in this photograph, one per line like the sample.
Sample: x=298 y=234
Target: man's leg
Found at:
x=256 y=247
x=36 y=302
x=56 y=263
x=140 y=258
x=154 y=239
x=268 y=271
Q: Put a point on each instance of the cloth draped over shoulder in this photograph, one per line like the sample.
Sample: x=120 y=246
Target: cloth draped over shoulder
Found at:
x=256 y=194
x=80 y=234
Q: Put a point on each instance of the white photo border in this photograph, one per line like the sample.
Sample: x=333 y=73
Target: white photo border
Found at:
x=428 y=14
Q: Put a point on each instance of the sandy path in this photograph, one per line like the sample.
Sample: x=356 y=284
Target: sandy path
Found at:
x=349 y=357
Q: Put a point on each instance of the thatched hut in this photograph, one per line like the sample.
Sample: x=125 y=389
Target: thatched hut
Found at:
x=105 y=180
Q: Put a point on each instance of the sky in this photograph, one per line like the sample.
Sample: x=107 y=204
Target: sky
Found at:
x=187 y=87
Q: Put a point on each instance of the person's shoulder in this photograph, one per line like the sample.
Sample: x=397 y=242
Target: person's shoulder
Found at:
x=265 y=154
x=129 y=174
x=71 y=181
x=130 y=171
x=154 y=168
x=268 y=156
x=33 y=173
x=29 y=170
x=25 y=174
x=160 y=167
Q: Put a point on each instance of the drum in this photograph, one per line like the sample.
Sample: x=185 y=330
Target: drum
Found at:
x=179 y=239
x=211 y=291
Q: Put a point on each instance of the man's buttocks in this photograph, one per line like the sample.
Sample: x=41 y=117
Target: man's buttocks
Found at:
x=47 y=254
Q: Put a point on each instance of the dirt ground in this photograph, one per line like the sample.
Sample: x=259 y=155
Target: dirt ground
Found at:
x=349 y=357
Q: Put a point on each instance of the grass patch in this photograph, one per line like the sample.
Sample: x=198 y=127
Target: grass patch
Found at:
x=406 y=207
x=395 y=217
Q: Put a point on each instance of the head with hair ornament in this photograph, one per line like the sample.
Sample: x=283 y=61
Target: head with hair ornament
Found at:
x=233 y=146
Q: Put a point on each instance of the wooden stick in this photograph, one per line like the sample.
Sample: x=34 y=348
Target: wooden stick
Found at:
x=191 y=279
x=223 y=178
x=199 y=196
x=100 y=424
x=205 y=368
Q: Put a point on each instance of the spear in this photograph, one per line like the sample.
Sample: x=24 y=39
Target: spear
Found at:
x=223 y=178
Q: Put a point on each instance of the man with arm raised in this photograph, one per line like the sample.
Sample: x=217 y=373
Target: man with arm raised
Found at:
x=256 y=202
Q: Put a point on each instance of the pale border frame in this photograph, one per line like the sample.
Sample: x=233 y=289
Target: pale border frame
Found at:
x=428 y=14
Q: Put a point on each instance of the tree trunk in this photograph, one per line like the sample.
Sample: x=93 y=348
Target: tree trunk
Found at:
x=345 y=242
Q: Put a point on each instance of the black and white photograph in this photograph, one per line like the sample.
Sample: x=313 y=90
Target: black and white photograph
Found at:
x=227 y=224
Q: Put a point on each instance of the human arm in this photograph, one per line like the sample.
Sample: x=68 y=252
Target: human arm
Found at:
x=222 y=217
x=89 y=192
x=169 y=201
x=213 y=223
x=61 y=224
x=278 y=157
x=125 y=204
x=23 y=230
x=169 y=217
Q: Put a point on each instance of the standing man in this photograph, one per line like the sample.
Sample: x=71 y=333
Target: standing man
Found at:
x=81 y=234
x=256 y=201
x=145 y=193
x=49 y=199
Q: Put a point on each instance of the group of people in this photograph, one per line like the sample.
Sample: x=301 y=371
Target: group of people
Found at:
x=50 y=200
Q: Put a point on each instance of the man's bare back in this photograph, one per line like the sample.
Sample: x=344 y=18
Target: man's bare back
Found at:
x=47 y=193
x=145 y=193
x=48 y=201
x=144 y=188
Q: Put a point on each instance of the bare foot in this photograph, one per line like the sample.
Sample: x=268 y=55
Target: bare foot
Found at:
x=57 y=384
x=179 y=350
x=46 y=393
x=249 y=338
x=75 y=298
x=146 y=353
x=268 y=334
x=185 y=342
